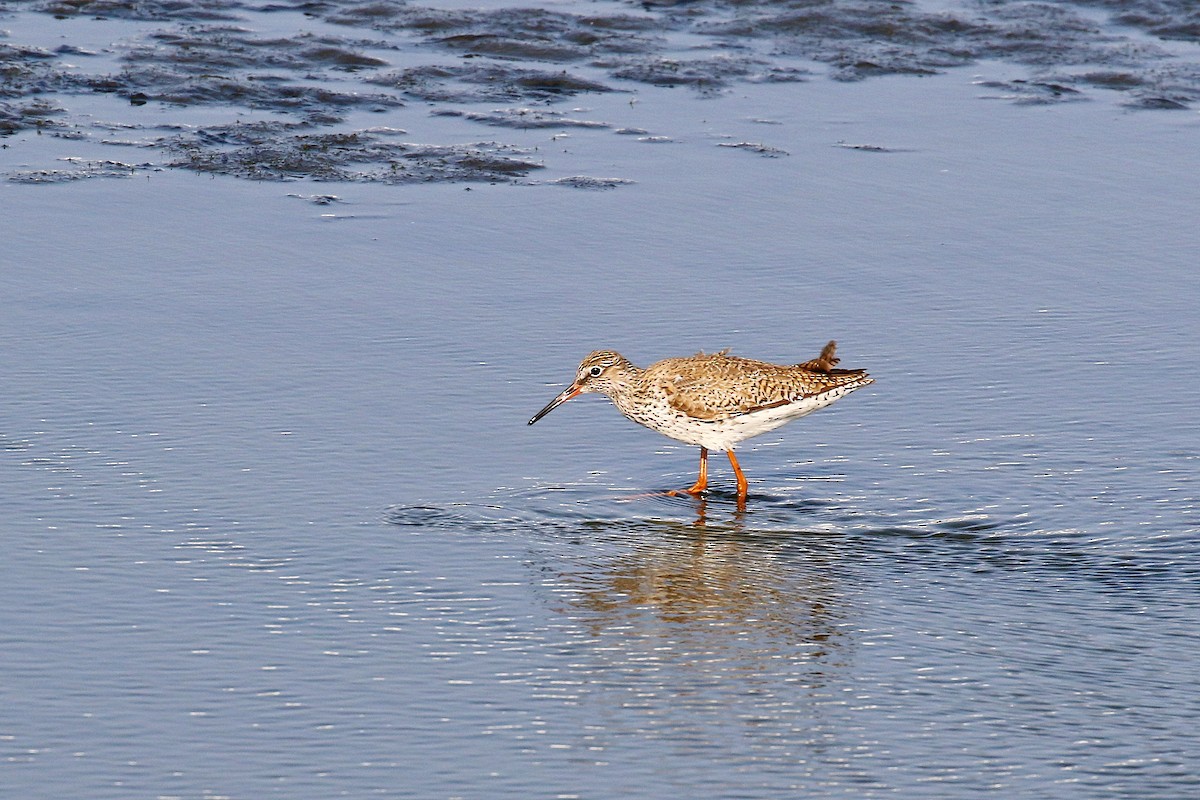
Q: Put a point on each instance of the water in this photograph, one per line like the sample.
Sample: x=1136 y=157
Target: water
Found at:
x=274 y=524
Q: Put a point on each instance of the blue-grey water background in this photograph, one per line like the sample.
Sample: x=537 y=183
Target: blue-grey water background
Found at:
x=273 y=524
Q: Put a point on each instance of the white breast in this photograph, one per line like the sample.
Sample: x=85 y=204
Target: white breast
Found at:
x=725 y=434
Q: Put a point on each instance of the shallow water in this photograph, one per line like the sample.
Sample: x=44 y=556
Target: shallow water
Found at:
x=274 y=524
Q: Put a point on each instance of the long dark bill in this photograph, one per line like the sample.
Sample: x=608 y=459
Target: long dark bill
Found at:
x=566 y=395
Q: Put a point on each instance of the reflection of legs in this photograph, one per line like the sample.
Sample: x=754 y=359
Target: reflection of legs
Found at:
x=702 y=482
x=741 y=478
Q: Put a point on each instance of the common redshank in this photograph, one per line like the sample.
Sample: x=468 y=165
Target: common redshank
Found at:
x=713 y=400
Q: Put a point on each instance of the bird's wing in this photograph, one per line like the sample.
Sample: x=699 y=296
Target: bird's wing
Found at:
x=717 y=387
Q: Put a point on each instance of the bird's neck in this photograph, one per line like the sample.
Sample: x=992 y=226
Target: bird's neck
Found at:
x=627 y=384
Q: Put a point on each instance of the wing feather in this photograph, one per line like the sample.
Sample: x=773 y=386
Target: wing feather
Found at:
x=719 y=386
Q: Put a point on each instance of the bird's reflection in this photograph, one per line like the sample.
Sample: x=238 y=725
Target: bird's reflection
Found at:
x=715 y=593
x=738 y=519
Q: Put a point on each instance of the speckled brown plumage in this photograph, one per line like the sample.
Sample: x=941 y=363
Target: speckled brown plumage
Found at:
x=718 y=386
x=713 y=400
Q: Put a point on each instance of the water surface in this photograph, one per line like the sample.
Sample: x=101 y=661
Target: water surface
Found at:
x=274 y=524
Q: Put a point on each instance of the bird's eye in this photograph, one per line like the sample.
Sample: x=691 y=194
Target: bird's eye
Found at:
x=595 y=372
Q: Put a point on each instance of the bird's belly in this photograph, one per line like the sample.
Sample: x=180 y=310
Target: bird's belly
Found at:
x=724 y=434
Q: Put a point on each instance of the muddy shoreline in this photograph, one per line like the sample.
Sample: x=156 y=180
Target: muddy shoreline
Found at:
x=522 y=65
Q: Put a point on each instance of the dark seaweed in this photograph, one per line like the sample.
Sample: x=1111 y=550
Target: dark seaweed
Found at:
x=528 y=59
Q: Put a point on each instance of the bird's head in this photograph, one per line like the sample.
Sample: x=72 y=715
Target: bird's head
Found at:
x=601 y=371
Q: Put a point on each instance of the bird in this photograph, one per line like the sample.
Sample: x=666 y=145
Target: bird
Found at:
x=713 y=400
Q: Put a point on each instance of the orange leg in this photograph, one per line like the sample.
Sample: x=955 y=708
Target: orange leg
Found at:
x=701 y=483
x=743 y=487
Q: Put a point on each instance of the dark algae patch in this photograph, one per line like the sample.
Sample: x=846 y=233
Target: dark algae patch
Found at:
x=280 y=152
x=523 y=118
x=141 y=10
x=475 y=81
x=339 y=59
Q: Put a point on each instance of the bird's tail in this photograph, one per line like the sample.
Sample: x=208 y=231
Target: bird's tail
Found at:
x=824 y=362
